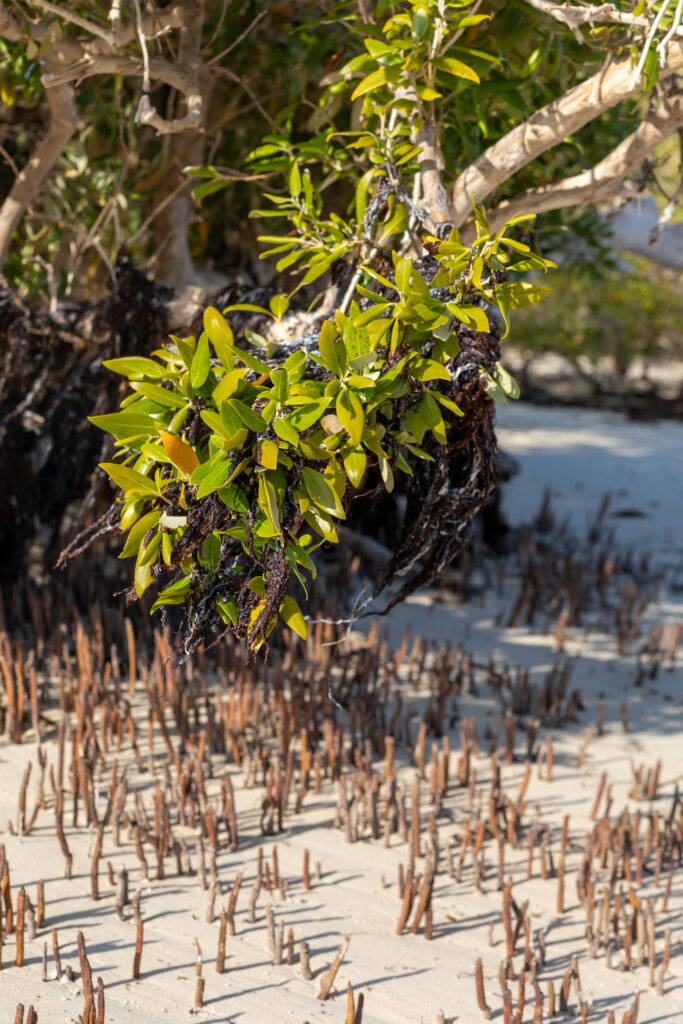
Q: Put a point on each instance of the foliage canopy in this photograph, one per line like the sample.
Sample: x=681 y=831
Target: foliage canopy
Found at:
x=238 y=449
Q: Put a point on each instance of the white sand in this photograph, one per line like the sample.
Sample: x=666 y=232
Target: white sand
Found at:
x=404 y=979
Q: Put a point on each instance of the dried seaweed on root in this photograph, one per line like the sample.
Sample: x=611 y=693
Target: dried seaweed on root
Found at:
x=445 y=496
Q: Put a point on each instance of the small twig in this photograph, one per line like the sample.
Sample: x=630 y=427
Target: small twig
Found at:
x=328 y=979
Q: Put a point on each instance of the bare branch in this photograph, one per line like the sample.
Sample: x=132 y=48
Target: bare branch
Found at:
x=63 y=124
x=115 y=17
x=575 y=17
x=435 y=197
x=143 y=45
x=219 y=56
x=605 y=179
x=549 y=127
x=673 y=30
x=229 y=73
x=174 y=75
x=10 y=27
x=637 y=74
x=75 y=19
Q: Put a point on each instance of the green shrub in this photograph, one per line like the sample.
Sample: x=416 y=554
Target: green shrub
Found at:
x=237 y=466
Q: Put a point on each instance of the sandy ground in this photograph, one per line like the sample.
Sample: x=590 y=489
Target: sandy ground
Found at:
x=580 y=456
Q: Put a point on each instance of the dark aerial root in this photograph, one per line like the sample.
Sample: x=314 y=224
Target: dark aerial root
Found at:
x=51 y=380
x=444 y=496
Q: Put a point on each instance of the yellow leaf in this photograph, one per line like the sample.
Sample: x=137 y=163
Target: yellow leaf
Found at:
x=180 y=453
x=268 y=454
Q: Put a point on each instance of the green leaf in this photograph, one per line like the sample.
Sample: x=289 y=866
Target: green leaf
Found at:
x=279 y=304
x=518 y=294
x=322 y=524
x=319 y=490
x=249 y=416
x=404 y=269
x=138 y=531
x=291 y=613
x=294 y=180
x=434 y=419
x=456 y=67
x=506 y=381
x=251 y=361
x=280 y=382
x=227 y=609
x=429 y=369
x=373 y=81
x=331 y=348
x=199 y=370
x=285 y=431
x=186 y=348
x=420 y=22
x=123 y=425
x=173 y=594
x=162 y=396
x=148 y=554
x=135 y=366
x=142 y=578
x=210 y=476
x=129 y=480
x=447 y=403
x=306 y=415
x=470 y=315
x=350 y=413
x=355 y=461
x=268 y=503
x=220 y=335
x=207 y=188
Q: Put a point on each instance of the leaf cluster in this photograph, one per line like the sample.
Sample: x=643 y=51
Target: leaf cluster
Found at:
x=237 y=463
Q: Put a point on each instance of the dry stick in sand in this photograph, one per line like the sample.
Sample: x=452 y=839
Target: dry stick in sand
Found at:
x=220 y=957
x=564 y=990
x=306 y=871
x=350 y=1007
x=304 y=961
x=651 y=943
x=538 y=1005
x=551 y=999
x=55 y=954
x=139 y=926
x=41 y=905
x=290 y=947
x=199 y=990
x=100 y=1002
x=86 y=977
x=95 y=865
x=279 y=942
x=21 y=904
x=408 y=896
x=232 y=902
x=7 y=898
x=665 y=962
x=63 y=843
x=481 y=997
x=328 y=980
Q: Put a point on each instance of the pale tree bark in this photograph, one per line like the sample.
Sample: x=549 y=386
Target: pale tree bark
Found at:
x=549 y=127
x=69 y=61
x=605 y=179
x=26 y=188
x=173 y=263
